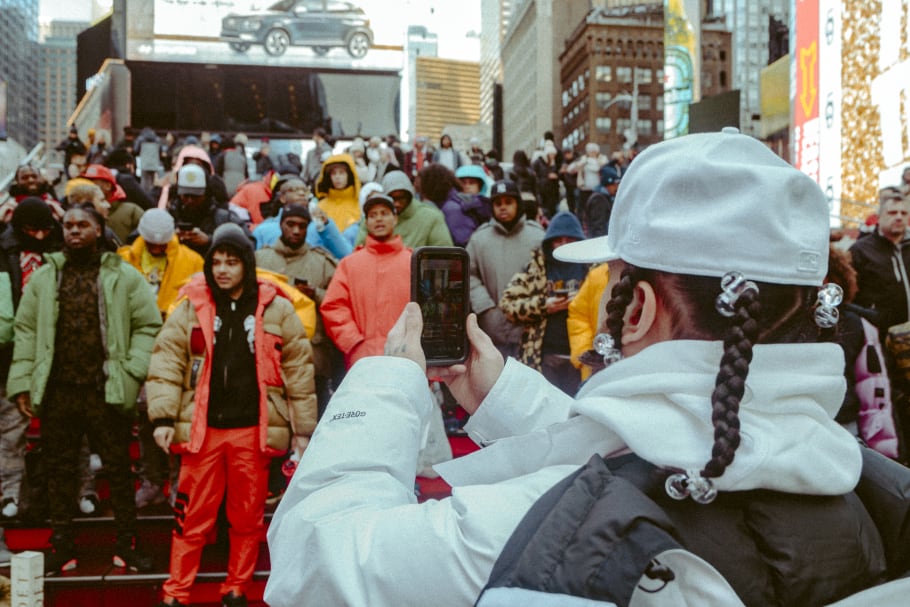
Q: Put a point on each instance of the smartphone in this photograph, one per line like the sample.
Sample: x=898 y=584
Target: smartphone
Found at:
x=184 y=226
x=301 y=282
x=439 y=284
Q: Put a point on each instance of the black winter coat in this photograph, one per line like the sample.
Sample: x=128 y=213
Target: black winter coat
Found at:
x=882 y=277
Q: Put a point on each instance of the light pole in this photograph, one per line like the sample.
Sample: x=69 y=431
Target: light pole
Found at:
x=631 y=133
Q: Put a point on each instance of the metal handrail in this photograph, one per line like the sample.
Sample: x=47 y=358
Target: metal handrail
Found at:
x=36 y=157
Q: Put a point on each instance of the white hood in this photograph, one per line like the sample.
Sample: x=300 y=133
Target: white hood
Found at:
x=657 y=404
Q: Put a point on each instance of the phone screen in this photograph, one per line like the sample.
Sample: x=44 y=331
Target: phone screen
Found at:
x=439 y=284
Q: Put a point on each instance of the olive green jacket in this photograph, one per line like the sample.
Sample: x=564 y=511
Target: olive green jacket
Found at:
x=129 y=322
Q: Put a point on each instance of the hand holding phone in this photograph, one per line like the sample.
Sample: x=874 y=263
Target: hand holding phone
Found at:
x=439 y=285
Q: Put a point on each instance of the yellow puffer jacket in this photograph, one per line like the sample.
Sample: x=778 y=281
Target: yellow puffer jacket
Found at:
x=182 y=263
x=583 y=315
x=342 y=206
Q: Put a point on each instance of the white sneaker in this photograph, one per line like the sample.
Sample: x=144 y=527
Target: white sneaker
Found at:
x=10 y=508
x=87 y=504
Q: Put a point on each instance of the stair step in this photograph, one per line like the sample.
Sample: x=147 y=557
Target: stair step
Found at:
x=96 y=582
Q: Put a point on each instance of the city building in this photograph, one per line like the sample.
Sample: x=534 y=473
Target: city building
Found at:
x=57 y=79
x=18 y=63
x=535 y=38
x=446 y=95
x=421 y=43
x=494 y=19
x=612 y=77
x=750 y=20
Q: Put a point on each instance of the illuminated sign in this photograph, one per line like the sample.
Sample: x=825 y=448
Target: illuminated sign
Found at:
x=850 y=74
x=332 y=34
x=681 y=65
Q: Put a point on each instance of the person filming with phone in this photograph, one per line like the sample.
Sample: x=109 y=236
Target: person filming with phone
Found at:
x=195 y=212
x=714 y=410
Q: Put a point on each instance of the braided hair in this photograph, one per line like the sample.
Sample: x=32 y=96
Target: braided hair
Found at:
x=773 y=314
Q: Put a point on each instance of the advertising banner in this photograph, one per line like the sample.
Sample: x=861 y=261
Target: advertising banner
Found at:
x=850 y=69
x=805 y=87
x=331 y=34
x=830 y=100
x=682 y=64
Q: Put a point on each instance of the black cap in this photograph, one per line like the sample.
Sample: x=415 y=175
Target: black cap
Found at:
x=504 y=187
x=378 y=198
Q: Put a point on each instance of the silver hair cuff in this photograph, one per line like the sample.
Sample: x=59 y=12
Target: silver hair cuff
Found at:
x=606 y=347
x=692 y=484
x=733 y=285
x=829 y=297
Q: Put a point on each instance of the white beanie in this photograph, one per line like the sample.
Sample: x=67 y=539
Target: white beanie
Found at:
x=156 y=226
x=367 y=190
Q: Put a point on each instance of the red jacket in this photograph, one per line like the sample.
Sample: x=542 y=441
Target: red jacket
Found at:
x=366 y=296
x=178 y=380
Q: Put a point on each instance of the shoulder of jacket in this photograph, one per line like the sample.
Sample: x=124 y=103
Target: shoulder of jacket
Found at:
x=324 y=253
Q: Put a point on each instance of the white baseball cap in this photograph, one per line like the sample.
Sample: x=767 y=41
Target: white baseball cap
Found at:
x=191 y=180
x=713 y=203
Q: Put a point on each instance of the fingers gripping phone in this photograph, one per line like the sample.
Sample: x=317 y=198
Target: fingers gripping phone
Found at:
x=439 y=284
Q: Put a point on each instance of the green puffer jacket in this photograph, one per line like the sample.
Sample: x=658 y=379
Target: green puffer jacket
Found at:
x=130 y=320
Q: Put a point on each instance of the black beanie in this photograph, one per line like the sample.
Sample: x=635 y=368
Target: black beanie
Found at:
x=296 y=210
x=33 y=212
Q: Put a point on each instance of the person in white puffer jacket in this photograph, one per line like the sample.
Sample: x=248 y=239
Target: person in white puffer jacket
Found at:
x=349 y=530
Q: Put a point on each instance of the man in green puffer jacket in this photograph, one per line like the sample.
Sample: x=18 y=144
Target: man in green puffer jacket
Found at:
x=84 y=333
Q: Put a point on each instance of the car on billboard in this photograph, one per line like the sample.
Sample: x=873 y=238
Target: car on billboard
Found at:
x=318 y=24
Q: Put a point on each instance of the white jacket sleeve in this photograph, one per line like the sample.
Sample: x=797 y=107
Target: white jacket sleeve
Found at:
x=349 y=531
x=521 y=401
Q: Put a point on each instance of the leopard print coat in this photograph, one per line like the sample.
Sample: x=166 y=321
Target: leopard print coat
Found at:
x=524 y=302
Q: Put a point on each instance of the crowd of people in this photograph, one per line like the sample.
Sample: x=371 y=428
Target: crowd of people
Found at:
x=238 y=307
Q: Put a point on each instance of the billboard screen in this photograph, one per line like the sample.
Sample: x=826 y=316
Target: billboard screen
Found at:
x=324 y=34
x=276 y=101
x=850 y=123
x=682 y=64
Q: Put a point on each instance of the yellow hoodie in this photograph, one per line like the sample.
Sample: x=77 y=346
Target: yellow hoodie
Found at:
x=342 y=206
x=583 y=315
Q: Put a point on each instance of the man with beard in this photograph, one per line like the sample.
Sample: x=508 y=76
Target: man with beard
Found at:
x=499 y=249
x=309 y=269
x=78 y=363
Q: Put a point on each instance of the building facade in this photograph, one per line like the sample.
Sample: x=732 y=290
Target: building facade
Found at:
x=494 y=18
x=57 y=80
x=750 y=20
x=612 y=78
x=18 y=68
x=446 y=95
x=536 y=37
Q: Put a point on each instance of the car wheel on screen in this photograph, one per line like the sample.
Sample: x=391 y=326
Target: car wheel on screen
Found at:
x=240 y=47
x=320 y=50
x=276 y=42
x=358 y=45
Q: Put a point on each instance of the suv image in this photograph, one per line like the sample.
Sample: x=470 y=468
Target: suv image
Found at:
x=319 y=24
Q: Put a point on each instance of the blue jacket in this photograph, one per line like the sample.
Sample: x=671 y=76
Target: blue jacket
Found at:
x=330 y=239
